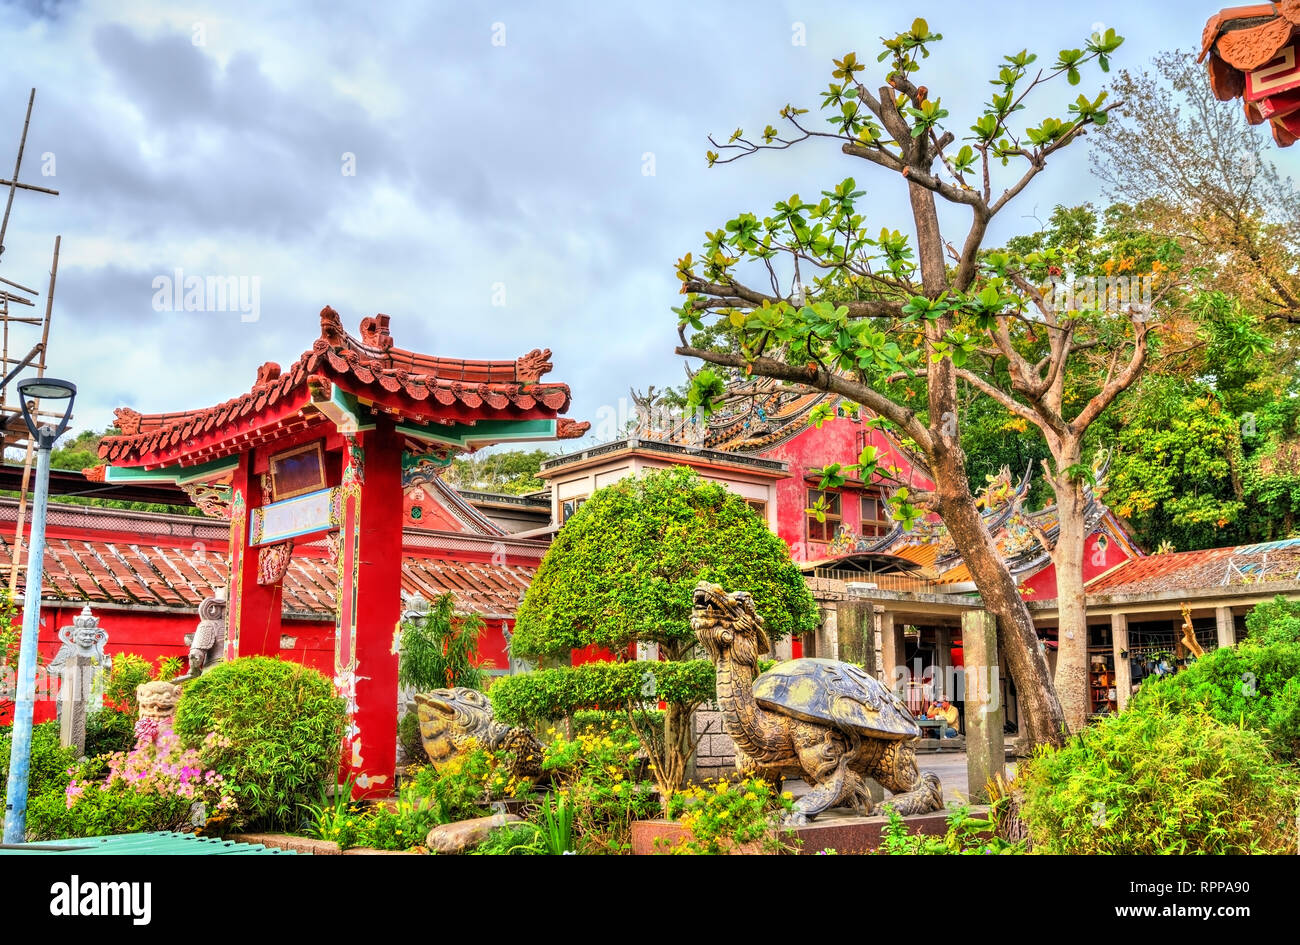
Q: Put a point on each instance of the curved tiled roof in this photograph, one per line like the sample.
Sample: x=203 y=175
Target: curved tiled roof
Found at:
x=1240 y=40
x=423 y=383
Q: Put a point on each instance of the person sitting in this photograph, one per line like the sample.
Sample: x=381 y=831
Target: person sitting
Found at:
x=948 y=714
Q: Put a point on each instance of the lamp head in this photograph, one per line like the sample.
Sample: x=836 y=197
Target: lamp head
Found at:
x=46 y=388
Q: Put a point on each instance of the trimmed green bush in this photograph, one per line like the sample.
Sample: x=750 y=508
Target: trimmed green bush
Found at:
x=625 y=566
x=281 y=734
x=532 y=698
x=1258 y=686
x=1155 y=780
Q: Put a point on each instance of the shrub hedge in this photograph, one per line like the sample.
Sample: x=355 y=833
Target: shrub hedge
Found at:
x=1258 y=686
x=531 y=698
x=1159 y=780
x=281 y=728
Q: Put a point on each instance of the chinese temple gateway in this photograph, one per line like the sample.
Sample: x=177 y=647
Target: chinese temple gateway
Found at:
x=315 y=453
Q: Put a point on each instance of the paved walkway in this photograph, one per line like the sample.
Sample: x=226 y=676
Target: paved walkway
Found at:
x=950 y=766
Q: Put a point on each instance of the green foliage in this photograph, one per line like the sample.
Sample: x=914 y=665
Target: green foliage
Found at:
x=600 y=774
x=1157 y=780
x=50 y=763
x=441 y=650
x=556 y=815
x=705 y=389
x=521 y=839
x=428 y=797
x=1275 y=621
x=109 y=730
x=513 y=472
x=624 y=567
x=283 y=725
x=587 y=721
x=104 y=813
x=726 y=818
x=11 y=628
x=408 y=735
x=545 y=694
x=1176 y=478
x=1251 y=685
x=966 y=835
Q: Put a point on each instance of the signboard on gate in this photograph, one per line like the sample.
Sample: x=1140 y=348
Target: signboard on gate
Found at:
x=289 y=518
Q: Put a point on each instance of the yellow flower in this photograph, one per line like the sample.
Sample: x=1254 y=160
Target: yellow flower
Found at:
x=721 y=787
x=787 y=795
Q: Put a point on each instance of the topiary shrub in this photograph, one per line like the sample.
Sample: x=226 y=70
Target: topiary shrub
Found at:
x=1258 y=686
x=281 y=734
x=1155 y=780
x=533 y=698
x=623 y=570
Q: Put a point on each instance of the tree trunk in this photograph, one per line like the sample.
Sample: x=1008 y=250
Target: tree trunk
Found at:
x=1072 y=636
x=1018 y=639
x=997 y=588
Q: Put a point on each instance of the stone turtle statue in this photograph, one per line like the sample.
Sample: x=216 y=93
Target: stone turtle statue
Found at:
x=827 y=722
x=450 y=718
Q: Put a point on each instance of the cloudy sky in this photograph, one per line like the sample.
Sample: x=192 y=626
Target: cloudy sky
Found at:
x=523 y=174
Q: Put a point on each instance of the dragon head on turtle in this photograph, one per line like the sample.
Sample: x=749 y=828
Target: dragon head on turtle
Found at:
x=728 y=623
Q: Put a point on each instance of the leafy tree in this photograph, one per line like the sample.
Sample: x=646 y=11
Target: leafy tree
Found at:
x=883 y=308
x=1202 y=176
x=511 y=471
x=79 y=452
x=624 y=567
x=440 y=649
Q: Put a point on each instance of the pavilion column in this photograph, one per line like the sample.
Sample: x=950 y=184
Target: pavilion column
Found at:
x=1123 y=669
x=893 y=672
x=370 y=565
x=985 y=745
x=1226 y=629
x=943 y=664
x=253 y=608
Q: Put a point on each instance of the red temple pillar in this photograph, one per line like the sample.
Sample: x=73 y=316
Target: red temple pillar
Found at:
x=370 y=584
x=254 y=624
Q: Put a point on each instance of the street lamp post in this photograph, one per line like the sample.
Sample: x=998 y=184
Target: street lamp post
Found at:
x=20 y=755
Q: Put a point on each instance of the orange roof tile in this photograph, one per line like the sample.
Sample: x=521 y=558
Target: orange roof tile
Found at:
x=427 y=383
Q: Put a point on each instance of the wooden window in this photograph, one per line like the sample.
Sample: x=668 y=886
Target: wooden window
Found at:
x=569 y=506
x=759 y=507
x=875 y=516
x=823 y=531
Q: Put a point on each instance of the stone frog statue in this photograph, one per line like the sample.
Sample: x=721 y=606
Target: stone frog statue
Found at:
x=825 y=721
x=450 y=718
